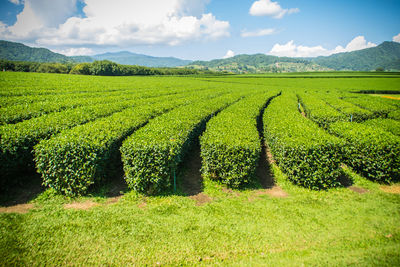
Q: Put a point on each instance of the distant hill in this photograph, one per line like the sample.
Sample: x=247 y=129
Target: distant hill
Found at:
x=386 y=55
x=21 y=52
x=128 y=58
x=258 y=63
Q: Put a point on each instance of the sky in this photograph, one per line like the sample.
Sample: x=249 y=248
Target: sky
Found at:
x=201 y=29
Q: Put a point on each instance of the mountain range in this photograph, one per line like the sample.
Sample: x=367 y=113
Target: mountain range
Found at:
x=386 y=56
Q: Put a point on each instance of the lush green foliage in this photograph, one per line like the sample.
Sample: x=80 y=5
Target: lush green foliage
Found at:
x=380 y=107
x=353 y=112
x=17 y=140
x=318 y=111
x=308 y=154
x=370 y=150
x=77 y=158
x=101 y=68
x=152 y=154
x=389 y=125
x=230 y=147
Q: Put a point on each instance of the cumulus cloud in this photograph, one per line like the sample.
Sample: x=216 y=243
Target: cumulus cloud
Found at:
x=17 y=2
x=120 y=22
x=290 y=49
x=270 y=9
x=396 y=38
x=229 y=54
x=257 y=33
x=80 y=51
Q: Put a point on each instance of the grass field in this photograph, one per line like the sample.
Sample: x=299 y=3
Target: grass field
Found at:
x=270 y=221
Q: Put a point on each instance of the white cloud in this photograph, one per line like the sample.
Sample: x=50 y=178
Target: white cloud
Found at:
x=120 y=23
x=257 y=33
x=81 y=51
x=396 y=38
x=271 y=9
x=290 y=49
x=16 y=2
x=229 y=54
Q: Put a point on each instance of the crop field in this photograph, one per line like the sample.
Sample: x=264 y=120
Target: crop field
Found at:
x=277 y=170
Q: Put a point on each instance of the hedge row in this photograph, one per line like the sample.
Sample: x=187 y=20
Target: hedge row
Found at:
x=230 y=146
x=75 y=159
x=370 y=150
x=305 y=152
x=318 y=111
x=353 y=112
x=152 y=154
x=377 y=105
x=394 y=115
x=389 y=125
x=17 y=140
x=17 y=113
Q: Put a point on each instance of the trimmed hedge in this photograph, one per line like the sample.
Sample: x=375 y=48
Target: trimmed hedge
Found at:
x=394 y=115
x=318 y=111
x=84 y=155
x=388 y=125
x=353 y=112
x=18 y=113
x=230 y=146
x=152 y=154
x=17 y=140
x=306 y=153
x=377 y=105
x=370 y=150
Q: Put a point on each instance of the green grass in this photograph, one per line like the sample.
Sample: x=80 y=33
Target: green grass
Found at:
x=337 y=227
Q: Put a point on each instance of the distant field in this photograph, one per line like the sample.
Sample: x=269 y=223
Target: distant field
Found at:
x=274 y=169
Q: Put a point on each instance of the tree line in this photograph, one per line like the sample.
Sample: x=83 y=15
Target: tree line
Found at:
x=102 y=68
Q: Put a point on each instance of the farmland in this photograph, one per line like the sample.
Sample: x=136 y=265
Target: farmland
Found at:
x=283 y=169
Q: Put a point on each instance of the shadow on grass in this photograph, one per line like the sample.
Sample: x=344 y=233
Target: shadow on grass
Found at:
x=29 y=186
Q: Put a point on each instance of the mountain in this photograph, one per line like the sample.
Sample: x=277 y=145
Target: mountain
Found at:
x=20 y=52
x=128 y=58
x=258 y=63
x=386 y=55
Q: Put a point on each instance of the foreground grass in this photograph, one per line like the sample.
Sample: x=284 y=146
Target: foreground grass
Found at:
x=236 y=228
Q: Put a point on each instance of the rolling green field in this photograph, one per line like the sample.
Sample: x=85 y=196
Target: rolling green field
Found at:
x=276 y=170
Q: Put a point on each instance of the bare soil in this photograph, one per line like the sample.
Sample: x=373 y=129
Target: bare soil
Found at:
x=263 y=171
x=357 y=189
x=394 y=189
x=81 y=205
x=275 y=191
x=20 y=208
x=192 y=181
x=201 y=199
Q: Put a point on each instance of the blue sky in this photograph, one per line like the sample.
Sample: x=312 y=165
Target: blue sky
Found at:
x=201 y=29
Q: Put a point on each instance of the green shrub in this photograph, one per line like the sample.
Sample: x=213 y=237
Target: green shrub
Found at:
x=370 y=150
x=353 y=112
x=377 y=105
x=388 y=125
x=230 y=146
x=84 y=155
x=152 y=154
x=318 y=111
x=305 y=152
